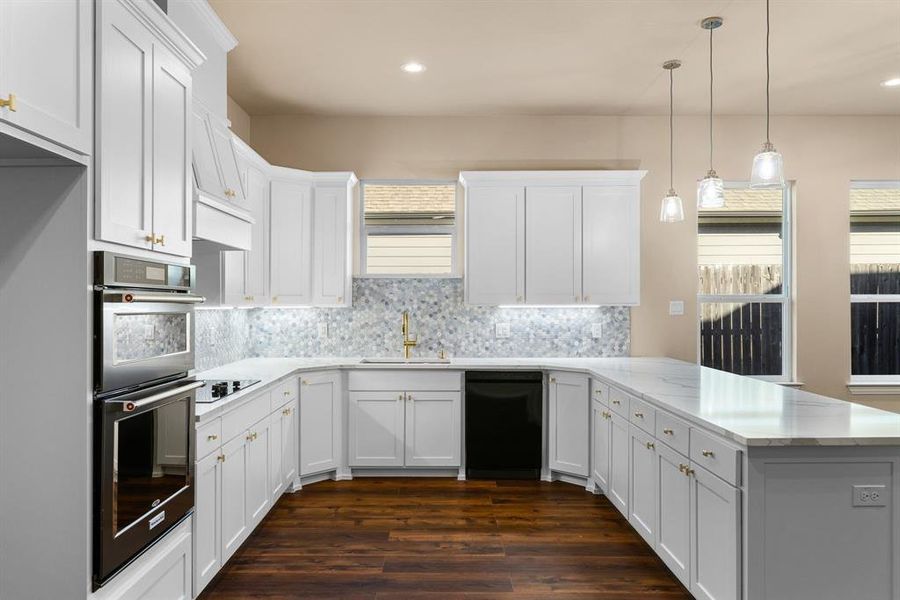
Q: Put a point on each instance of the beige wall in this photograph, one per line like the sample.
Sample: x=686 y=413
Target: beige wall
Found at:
x=240 y=120
x=822 y=154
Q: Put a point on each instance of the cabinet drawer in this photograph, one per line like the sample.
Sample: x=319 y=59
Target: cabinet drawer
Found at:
x=600 y=392
x=284 y=392
x=716 y=456
x=618 y=401
x=388 y=380
x=673 y=432
x=209 y=438
x=238 y=420
x=642 y=414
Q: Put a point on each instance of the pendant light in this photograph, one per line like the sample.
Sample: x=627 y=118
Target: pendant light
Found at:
x=711 y=190
x=671 y=210
x=768 y=166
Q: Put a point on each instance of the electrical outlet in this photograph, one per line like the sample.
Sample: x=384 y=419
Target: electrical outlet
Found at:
x=596 y=330
x=502 y=329
x=149 y=331
x=323 y=330
x=676 y=308
x=869 y=495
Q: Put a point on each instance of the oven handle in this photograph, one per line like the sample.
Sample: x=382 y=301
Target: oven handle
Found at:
x=129 y=406
x=128 y=298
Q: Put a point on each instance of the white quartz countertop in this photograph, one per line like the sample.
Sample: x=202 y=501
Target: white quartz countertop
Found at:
x=748 y=411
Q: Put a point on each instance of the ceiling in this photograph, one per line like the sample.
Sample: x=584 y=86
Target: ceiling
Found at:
x=559 y=57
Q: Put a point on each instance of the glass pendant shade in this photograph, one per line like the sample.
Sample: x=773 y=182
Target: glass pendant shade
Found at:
x=711 y=192
x=768 y=169
x=671 y=210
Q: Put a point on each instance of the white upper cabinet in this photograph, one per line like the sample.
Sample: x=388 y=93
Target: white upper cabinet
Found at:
x=611 y=241
x=290 y=237
x=552 y=245
x=144 y=129
x=552 y=237
x=495 y=234
x=231 y=181
x=256 y=259
x=215 y=160
x=331 y=245
x=206 y=170
x=46 y=52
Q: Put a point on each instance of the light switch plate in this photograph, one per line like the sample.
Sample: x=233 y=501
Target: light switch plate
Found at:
x=502 y=330
x=676 y=308
x=596 y=330
x=323 y=330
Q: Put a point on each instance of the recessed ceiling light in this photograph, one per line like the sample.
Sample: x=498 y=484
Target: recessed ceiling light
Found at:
x=413 y=67
x=891 y=82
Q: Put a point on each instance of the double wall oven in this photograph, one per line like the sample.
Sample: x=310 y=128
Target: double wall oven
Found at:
x=144 y=405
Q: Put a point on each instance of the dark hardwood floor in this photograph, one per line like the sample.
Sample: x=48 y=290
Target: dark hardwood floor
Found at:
x=440 y=538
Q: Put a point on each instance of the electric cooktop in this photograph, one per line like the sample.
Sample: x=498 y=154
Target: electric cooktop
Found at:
x=216 y=389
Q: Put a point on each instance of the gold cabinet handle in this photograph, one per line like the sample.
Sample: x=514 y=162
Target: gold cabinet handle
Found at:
x=688 y=471
x=617 y=402
x=286 y=393
x=682 y=467
x=150 y=238
x=9 y=103
x=708 y=453
x=274 y=299
x=286 y=411
x=304 y=381
x=410 y=398
x=553 y=380
x=639 y=415
x=249 y=437
x=400 y=397
x=340 y=298
x=212 y=437
x=668 y=431
x=608 y=415
x=650 y=445
x=161 y=240
x=220 y=458
x=587 y=298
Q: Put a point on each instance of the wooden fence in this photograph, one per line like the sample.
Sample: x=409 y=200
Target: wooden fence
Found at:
x=875 y=326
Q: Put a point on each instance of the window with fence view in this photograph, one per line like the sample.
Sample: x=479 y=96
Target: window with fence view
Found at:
x=743 y=297
x=408 y=228
x=875 y=280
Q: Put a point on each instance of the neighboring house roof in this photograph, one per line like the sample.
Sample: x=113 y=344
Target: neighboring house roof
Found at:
x=416 y=199
x=882 y=200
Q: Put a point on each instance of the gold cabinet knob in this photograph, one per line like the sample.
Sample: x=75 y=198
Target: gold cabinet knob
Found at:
x=639 y=415
x=518 y=298
x=304 y=381
x=617 y=402
x=220 y=458
x=650 y=445
x=249 y=437
x=212 y=437
x=400 y=397
x=688 y=471
x=286 y=393
x=340 y=298
x=668 y=431
x=161 y=240
x=707 y=453
x=682 y=467
x=274 y=299
x=286 y=411
x=410 y=397
x=9 y=103
x=553 y=380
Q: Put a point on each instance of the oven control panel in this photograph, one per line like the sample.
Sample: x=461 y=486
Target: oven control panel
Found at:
x=116 y=270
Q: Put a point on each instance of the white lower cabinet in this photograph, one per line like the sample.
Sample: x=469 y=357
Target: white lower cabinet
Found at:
x=569 y=423
x=290 y=444
x=643 y=505
x=235 y=516
x=673 y=529
x=433 y=429
x=320 y=422
x=257 y=482
x=207 y=520
x=715 y=520
x=600 y=440
x=376 y=429
x=619 y=446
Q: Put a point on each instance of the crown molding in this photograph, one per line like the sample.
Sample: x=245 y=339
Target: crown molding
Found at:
x=217 y=27
x=159 y=23
x=537 y=178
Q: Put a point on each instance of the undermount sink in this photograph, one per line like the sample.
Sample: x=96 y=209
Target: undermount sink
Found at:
x=405 y=361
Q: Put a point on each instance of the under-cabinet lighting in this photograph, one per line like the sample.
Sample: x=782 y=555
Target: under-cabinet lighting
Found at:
x=548 y=306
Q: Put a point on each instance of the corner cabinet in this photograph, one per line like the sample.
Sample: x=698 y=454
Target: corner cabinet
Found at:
x=321 y=422
x=46 y=51
x=552 y=237
x=143 y=111
x=569 y=423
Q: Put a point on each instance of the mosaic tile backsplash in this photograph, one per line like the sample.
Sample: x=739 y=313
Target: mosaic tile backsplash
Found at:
x=438 y=316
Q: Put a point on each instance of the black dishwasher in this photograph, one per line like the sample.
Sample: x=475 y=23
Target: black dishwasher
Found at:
x=503 y=424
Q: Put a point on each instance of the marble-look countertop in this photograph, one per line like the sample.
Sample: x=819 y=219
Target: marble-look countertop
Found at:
x=748 y=411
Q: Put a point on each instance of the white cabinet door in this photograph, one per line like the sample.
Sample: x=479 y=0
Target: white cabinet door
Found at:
x=553 y=245
x=643 y=506
x=433 y=429
x=276 y=458
x=258 y=494
x=206 y=167
x=124 y=130
x=234 y=277
x=228 y=163
x=495 y=245
x=569 y=423
x=600 y=417
x=171 y=178
x=331 y=267
x=611 y=234
x=290 y=236
x=256 y=260
x=46 y=55
x=673 y=529
x=207 y=520
x=320 y=423
x=289 y=444
x=235 y=527
x=715 y=537
x=620 y=443
x=376 y=429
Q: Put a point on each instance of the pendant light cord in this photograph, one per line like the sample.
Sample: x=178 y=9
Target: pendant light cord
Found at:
x=710 y=99
x=671 y=129
x=768 y=140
